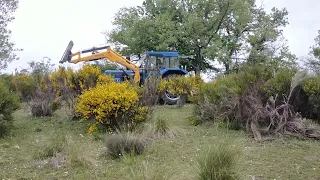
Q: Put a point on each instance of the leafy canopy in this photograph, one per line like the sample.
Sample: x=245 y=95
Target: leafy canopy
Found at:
x=206 y=31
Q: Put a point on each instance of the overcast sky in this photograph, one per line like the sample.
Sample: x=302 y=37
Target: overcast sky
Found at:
x=44 y=28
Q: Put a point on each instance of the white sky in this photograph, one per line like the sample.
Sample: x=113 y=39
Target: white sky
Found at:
x=44 y=28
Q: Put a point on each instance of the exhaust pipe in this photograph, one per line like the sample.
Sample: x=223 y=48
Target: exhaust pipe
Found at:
x=67 y=55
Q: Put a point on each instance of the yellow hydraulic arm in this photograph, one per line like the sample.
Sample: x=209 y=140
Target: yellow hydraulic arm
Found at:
x=108 y=54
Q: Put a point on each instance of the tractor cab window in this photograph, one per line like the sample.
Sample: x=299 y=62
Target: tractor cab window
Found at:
x=171 y=62
x=155 y=62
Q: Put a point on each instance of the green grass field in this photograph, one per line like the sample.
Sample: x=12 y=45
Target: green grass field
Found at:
x=23 y=156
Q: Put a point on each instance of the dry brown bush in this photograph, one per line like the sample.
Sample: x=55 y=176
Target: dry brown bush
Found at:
x=149 y=96
x=258 y=113
x=272 y=117
x=42 y=101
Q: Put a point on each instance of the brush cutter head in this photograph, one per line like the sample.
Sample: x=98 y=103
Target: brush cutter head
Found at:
x=67 y=53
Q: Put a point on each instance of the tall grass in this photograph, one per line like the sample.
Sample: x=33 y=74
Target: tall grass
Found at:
x=218 y=162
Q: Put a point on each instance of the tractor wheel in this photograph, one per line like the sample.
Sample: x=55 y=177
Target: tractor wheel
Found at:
x=166 y=96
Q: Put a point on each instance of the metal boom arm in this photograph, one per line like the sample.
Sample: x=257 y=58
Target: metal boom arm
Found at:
x=108 y=54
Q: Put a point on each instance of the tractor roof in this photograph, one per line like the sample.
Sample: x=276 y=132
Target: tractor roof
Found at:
x=162 y=54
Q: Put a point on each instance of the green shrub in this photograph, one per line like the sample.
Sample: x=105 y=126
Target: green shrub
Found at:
x=279 y=83
x=213 y=98
x=23 y=85
x=218 y=100
x=218 y=162
x=258 y=99
x=121 y=144
x=9 y=103
x=312 y=105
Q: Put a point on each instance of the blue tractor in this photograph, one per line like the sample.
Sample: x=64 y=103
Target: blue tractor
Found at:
x=162 y=64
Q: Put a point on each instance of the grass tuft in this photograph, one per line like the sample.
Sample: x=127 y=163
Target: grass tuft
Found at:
x=127 y=143
x=218 y=163
x=161 y=128
x=55 y=145
x=146 y=170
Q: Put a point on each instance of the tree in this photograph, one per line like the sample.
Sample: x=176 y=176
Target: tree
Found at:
x=206 y=31
x=105 y=65
x=313 y=62
x=232 y=34
x=266 y=38
x=7 y=7
x=188 y=26
x=249 y=34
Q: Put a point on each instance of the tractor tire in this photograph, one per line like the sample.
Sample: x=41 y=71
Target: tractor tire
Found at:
x=167 y=97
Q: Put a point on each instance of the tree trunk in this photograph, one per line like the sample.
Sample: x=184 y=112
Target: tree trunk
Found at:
x=198 y=70
x=227 y=66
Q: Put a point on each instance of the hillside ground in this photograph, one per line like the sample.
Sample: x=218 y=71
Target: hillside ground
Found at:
x=84 y=157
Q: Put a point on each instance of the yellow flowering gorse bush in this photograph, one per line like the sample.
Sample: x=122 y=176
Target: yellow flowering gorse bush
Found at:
x=181 y=85
x=62 y=78
x=87 y=77
x=110 y=104
x=105 y=79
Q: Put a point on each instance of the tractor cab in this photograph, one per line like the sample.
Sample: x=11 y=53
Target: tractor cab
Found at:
x=160 y=60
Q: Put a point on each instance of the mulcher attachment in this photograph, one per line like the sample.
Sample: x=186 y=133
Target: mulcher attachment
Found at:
x=67 y=55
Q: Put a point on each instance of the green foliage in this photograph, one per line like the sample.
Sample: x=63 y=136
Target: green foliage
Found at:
x=204 y=30
x=280 y=83
x=7 y=55
x=24 y=85
x=313 y=61
x=125 y=144
x=312 y=85
x=219 y=162
x=103 y=66
x=312 y=89
x=9 y=103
